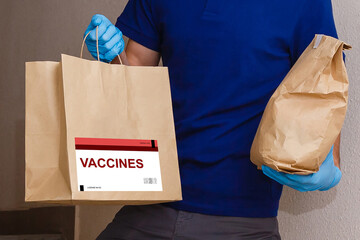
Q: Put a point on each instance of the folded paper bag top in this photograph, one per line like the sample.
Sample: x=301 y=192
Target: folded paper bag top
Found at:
x=305 y=114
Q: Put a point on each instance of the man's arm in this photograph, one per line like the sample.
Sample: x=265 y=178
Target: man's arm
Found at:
x=138 y=55
x=111 y=44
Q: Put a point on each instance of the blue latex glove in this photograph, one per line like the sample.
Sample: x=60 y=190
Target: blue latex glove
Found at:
x=327 y=177
x=111 y=42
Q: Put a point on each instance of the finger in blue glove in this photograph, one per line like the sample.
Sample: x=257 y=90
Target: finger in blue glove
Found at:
x=110 y=40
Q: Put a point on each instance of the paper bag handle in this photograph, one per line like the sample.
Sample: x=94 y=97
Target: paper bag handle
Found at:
x=97 y=45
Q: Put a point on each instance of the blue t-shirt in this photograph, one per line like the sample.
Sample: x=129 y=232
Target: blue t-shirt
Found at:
x=225 y=60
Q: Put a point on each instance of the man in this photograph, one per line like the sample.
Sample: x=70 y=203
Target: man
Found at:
x=225 y=60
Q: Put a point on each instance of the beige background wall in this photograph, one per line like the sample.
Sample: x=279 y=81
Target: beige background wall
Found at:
x=42 y=29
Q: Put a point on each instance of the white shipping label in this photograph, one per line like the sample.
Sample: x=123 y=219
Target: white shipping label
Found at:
x=105 y=164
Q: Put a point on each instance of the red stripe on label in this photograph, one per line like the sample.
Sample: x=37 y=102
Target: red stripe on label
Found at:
x=114 y=142
x=115 y=148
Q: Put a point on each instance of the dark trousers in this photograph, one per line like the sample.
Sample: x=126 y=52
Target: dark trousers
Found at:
x=160 y=222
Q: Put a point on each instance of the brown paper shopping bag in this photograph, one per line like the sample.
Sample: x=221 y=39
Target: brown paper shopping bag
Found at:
x=99 y=133
x=305 y=114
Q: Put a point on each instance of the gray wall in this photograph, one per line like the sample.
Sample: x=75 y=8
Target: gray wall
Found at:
x=334 y=214
x=42 y=29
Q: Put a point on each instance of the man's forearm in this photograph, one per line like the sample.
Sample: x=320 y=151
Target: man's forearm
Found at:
x=138 y=55
x=336 y=151
x=122 y=57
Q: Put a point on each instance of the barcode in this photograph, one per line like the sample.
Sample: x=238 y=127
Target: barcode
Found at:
x=150 y=181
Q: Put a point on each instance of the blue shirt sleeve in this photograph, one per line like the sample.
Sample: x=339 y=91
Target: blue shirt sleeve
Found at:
x=315 y=17
x=137 y=23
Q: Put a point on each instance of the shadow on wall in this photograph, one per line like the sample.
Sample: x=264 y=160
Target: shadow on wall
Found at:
x=20 y=165
x=296 y=203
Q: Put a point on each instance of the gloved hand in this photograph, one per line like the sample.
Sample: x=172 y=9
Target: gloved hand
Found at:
x=110 y=38
x=327 y=177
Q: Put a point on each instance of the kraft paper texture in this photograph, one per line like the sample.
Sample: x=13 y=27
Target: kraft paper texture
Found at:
x=305 y=114
x=82 y=98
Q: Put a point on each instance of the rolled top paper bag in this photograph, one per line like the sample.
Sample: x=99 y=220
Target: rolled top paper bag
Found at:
x=305 y=114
